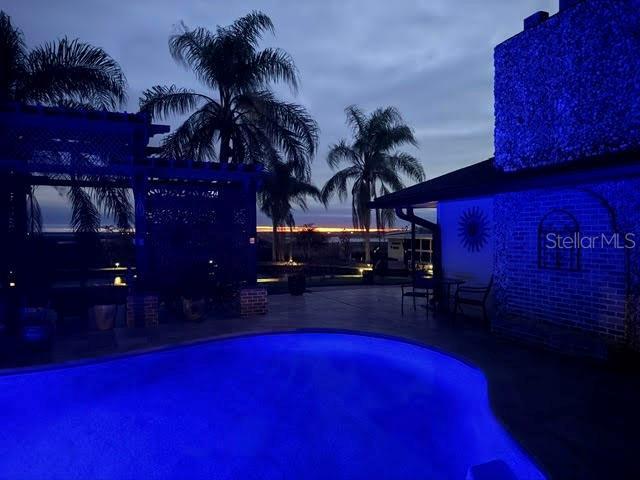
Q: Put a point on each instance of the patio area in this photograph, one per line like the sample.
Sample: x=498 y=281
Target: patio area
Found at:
x=576 y=417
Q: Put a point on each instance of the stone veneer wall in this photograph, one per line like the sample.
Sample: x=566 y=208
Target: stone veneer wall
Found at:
x=603 y=295
x=570 y=87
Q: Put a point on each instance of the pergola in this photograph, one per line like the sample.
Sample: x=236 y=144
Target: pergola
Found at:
x=187 y=214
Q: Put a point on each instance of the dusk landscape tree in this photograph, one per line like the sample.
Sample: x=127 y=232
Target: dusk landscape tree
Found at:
x=65 y=73
x=281 y=192
x=238 y=119
x=373 y=165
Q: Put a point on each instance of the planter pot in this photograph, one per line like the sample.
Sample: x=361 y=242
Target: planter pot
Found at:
x=102 y=317
x=194 y=310
x=297 y=284
x=367 y=277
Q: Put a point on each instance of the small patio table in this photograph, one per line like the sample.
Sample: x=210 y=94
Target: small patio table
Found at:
x=445 y=285
x=425 y=287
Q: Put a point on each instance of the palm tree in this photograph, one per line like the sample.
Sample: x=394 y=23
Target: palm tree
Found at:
x=240 y=120
x=282 y=189
x=66 y=73
x=374 y=166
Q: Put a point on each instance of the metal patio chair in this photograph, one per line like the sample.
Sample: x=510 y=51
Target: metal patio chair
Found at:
x=473 y=297
x=421 y=287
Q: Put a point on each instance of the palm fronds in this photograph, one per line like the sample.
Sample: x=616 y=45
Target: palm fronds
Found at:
x=34 y=214
x=161 y=102
x=13 y=53
x=70 y=74
x=373 y=164
x=85 y=217
x=242 y=121
x=115 y=203
x=281 y=191
x=70 y=69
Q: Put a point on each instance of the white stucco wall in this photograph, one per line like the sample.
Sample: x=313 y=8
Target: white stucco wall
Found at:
x=460 y=260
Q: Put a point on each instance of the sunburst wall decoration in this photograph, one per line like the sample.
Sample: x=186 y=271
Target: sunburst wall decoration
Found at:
x=472 y=229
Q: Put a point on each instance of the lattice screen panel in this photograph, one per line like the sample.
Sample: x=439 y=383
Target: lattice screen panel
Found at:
x=66 y=148
x=193 y=228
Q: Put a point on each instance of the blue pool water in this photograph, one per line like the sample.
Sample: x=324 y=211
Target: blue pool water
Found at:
x=287 y=406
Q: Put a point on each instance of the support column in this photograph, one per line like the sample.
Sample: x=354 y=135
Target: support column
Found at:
x=413 y=249
x=436 y=255
x=252 y=240
x=13 y=231
x=142 y=259
x=13 y=215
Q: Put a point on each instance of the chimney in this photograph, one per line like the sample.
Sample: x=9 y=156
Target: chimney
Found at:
x=535 y=20
x=564 y=4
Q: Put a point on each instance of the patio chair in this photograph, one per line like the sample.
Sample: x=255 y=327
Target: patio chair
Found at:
x=473 y=297
x=37 y=326
x=422 y=287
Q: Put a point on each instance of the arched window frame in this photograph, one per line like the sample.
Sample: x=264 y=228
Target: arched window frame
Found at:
x=564 y=259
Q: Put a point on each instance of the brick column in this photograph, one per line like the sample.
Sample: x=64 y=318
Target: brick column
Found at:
x=252 y=301
x=142 y=310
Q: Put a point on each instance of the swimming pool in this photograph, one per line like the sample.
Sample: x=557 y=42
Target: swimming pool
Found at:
x=278 y=406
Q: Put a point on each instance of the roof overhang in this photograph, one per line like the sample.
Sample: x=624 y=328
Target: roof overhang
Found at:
x=484 y=179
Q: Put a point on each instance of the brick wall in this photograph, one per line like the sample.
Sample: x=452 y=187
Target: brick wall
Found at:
x=601 y=293
x=252 y=301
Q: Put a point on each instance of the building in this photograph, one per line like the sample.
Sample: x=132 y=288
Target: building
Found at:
x=554 y=217
x=399 y=250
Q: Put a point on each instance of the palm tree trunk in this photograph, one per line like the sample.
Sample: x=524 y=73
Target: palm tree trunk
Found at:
x=379 y=225
x=367 y=245
x=274 y=244
x=224 y=148
x=367 y=226
x=291 y=244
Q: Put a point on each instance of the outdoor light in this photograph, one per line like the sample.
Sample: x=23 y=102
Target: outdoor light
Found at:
x=118 y=282
x=117 y=264
x=12 y=284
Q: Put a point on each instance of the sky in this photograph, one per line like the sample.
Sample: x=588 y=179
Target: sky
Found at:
x=432 y=59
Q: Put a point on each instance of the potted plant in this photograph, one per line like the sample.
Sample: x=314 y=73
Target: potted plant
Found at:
x=297 y=283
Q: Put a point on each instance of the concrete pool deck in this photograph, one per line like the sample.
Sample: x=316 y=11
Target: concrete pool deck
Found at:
x=577 y=418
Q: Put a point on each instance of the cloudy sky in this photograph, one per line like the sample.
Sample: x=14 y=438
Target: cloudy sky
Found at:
x=430 y=58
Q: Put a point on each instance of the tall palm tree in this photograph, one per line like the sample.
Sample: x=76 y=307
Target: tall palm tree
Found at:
x=374 y=166
x=283 y=189
x=66 y=73
x=240 y=120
